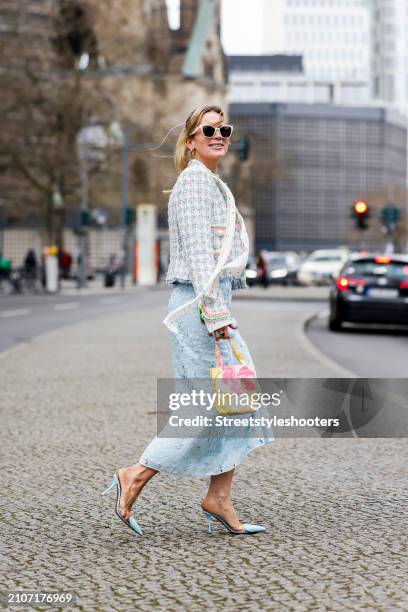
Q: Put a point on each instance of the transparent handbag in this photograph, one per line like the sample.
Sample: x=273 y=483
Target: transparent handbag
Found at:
x=234 y=385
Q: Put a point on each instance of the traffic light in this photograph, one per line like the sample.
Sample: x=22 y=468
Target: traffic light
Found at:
x=86 y=216
x=243 y=148
x=360 y=212
x=390 y=215
x=130 y=216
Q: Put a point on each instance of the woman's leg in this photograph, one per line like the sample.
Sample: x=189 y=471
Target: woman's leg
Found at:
x=218 y=498
x=132 y=480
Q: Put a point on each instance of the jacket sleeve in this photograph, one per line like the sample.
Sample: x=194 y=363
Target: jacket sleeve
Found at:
x=196 y=191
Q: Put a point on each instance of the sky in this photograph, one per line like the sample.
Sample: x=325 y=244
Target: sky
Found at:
x=240 y=25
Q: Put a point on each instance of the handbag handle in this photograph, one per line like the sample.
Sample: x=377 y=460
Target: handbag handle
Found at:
x=235 y=350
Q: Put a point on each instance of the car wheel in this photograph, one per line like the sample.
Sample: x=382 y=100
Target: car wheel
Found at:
x=335 y=324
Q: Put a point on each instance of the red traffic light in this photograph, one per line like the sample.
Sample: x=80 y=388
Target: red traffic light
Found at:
x=360 y=207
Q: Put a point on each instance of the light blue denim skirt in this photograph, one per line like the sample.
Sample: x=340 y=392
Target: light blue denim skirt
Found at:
x=192 y=352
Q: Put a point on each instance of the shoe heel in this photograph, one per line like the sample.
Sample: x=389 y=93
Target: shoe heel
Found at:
x=209 y=519
x=112 y=484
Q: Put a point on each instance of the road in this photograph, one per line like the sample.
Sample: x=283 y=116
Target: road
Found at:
x=23 y=318
x=362 y=350
x=335 y=510
x=369 y=352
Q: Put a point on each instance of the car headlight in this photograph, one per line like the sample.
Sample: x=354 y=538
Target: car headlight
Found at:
x=278 y=273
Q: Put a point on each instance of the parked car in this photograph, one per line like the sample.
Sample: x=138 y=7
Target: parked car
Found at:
x=321 y=266
x=370 y=289
x=251 y=274
x=282 y=267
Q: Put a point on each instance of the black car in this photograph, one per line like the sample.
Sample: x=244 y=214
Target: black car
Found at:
x=370 y=289
x=282 y=267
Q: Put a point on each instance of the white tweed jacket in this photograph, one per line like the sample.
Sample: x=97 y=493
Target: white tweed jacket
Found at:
x=197 y=216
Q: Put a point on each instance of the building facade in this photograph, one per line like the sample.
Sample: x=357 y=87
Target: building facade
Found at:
x=389 y=52
x=363 y=41
x=280 y=78
x=312 y=162
x=331 y=35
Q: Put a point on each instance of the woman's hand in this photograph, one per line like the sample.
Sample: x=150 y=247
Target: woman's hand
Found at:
x=223 y=332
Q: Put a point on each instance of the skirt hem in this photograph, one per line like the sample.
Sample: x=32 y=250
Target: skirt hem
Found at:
x=195 y=475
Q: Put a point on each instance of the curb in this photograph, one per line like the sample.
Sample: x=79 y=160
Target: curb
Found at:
x=325 y=361
x=100 y=291
x=13 y=349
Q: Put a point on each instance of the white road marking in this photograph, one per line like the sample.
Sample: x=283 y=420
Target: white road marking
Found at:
x=66 y=306
x=18 y=312
x=323 y=314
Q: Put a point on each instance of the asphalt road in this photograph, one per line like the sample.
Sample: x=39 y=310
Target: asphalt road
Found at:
x=365 y=351
x=23 y=318
x=368 y=351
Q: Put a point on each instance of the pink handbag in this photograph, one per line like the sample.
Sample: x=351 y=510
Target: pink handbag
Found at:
x=232 y=384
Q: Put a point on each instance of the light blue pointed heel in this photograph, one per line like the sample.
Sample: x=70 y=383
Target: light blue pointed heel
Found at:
x=209 y=519
x=130 y=522
x=247 y=528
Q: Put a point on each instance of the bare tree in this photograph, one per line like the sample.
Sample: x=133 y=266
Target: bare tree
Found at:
x=43 y=108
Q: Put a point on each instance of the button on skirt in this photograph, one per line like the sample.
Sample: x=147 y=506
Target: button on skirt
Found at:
x=192 y=353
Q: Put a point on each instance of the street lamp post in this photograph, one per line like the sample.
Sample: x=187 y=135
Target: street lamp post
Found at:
x=124 y=204
x=127 y=146
x=2 y=226
x=121 y=136
x=83 y=169
x=91 y=143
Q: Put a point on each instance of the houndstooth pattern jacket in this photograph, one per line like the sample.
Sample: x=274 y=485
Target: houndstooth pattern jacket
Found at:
x=197 y=222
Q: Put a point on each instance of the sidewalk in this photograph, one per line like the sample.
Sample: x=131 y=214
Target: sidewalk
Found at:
x=273 y=292
x=79 y=402
x=95 y=287
x=281 y=293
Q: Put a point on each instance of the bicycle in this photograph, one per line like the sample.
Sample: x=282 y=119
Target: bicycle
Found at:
x=9 y=282
x=29 y=281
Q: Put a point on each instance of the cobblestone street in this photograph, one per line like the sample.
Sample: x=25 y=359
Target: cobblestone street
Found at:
x=79 y=402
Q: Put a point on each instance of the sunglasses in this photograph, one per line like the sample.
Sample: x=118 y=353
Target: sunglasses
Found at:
x=209 y=130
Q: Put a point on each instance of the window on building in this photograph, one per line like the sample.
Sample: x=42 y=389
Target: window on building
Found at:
x=297 y=92
x=322 y=92
x=390 y=87
x=271 y=90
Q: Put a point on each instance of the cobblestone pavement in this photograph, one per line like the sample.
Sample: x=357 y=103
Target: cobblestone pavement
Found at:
x=78 y=403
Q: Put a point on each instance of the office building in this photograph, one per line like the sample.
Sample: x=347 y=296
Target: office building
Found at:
x=331 y=35
x=311 y=162
x=389 y=52
x=280 y=78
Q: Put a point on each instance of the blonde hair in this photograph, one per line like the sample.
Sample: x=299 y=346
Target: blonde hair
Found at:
x=182 y=154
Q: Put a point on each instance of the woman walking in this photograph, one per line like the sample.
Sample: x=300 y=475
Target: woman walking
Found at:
x=208 y=255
